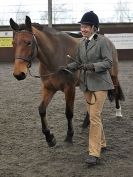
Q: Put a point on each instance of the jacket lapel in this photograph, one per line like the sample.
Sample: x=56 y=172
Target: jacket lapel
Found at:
x=91 y=44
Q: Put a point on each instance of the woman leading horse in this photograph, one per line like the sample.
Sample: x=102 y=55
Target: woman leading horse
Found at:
x=51 y=48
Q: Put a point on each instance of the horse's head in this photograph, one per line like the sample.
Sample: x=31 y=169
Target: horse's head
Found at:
x=25 y=47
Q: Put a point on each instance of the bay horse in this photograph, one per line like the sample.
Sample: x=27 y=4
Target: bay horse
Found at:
x=51 y=48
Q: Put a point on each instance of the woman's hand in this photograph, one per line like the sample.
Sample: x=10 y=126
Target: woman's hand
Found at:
x=87 y=67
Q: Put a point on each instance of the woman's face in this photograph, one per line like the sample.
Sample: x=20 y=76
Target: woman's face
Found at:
x=86 y=30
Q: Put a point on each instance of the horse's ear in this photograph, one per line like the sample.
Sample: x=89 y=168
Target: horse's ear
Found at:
x=14 y=25
x=28 y=23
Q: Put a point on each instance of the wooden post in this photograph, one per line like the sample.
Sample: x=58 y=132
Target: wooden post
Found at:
x=50 y=13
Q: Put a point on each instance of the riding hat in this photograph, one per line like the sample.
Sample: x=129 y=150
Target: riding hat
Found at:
x=90 y=18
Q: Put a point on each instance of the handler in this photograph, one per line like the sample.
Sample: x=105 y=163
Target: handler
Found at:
x=94 y=58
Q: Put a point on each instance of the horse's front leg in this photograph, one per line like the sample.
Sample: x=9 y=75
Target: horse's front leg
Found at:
x=47 y=96
x=69 y=96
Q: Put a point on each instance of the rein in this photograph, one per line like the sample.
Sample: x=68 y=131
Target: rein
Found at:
x=47 y=75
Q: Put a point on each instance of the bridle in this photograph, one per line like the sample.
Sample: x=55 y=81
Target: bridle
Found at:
x=34 y=48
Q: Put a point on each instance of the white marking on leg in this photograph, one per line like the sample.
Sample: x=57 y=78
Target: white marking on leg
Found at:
x=118 y=112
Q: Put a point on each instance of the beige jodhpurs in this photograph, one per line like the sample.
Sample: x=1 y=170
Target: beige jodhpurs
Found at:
x=96 y=132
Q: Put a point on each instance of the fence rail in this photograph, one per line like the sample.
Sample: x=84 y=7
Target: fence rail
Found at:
x=76 y=27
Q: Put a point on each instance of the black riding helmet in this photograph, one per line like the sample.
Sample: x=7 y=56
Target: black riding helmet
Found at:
x=90 y=18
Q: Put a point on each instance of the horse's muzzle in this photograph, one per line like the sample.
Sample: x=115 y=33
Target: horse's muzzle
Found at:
x=21 y=76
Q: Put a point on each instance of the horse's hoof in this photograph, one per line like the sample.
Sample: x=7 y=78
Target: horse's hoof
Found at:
x=119 y=116
x=52 y=141
x=69 y=140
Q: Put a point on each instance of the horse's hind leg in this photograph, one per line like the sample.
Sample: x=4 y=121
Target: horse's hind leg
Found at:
x=118 y=95
x=47 y=96
x=86 y=120
x=69 y=96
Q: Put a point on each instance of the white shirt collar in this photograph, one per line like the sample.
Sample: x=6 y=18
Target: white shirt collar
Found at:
x=90 y=37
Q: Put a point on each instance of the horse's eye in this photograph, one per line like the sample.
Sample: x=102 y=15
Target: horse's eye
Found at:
x=28 y=43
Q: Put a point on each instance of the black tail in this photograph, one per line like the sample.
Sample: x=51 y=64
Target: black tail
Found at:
x=116 y=93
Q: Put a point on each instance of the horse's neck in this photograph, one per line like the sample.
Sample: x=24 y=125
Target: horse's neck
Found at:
x=46 y=50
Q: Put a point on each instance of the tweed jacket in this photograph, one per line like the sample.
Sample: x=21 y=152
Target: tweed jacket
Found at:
x=98 y=53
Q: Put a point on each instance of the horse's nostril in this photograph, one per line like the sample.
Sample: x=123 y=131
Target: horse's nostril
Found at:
x=21 y=76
